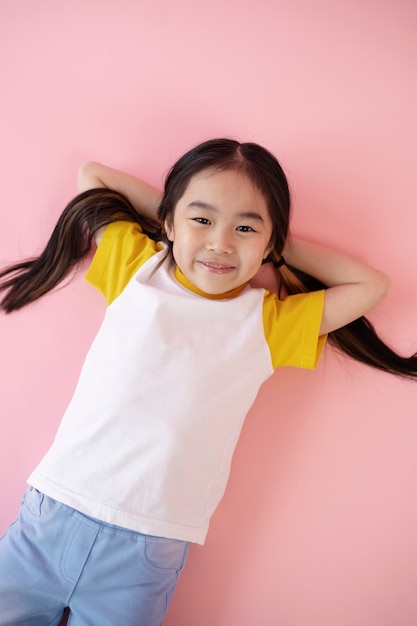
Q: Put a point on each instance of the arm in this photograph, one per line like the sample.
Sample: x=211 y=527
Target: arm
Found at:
x=354 y=288
x=144 y=197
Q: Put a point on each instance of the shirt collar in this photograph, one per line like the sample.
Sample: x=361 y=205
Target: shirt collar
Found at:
x=211 y=296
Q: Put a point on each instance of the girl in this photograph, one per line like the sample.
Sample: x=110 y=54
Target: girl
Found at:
x=143 y=452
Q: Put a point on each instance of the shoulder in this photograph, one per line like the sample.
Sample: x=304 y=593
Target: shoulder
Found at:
x=122 y=250
x=292 y=328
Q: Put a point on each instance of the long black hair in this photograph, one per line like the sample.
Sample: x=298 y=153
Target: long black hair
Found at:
x=72 y=239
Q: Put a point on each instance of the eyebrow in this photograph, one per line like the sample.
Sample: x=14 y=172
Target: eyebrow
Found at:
x=245 y=214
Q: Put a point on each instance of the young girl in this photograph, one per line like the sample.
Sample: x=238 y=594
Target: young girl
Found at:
x=142 y=455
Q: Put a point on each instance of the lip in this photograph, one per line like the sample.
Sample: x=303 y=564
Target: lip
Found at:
x=215 y=267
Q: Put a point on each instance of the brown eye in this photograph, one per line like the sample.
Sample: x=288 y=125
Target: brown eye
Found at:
x=246 y=229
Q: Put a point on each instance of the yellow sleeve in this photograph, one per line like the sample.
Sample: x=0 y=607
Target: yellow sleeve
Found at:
x=122 y=250
x=292 y=328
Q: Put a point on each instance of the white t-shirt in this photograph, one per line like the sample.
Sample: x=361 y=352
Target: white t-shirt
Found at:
x=147 y=440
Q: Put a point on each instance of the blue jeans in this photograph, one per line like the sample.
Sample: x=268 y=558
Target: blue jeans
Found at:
x=52 y=557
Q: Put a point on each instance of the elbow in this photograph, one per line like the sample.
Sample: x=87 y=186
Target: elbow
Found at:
x=82 y=175
x=381 y=286
x=87 y=177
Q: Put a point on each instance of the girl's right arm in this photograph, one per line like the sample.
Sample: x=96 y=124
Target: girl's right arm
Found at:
x=106 y=195
x=143 y=197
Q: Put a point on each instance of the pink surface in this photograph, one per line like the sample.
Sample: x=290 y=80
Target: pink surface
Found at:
x=318 y=526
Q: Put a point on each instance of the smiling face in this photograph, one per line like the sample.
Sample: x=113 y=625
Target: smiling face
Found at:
x=221 y=231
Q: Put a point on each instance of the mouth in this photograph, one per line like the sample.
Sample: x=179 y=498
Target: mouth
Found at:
x=215 y=267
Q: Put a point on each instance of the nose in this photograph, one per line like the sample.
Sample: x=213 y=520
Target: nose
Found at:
x=220 y=241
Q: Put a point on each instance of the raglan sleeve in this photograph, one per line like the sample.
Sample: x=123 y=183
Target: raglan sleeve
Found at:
x=292 y=328
x=122 y=250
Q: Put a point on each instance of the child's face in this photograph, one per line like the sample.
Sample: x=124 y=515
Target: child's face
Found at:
x=221 y=231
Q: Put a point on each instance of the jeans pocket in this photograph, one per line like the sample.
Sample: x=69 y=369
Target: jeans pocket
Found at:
x=165 y=554
x=37 y=503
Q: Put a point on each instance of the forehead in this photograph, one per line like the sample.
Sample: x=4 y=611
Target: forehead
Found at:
x=230 y=190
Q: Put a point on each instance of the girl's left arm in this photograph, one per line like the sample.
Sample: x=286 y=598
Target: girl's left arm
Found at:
x=353 y=287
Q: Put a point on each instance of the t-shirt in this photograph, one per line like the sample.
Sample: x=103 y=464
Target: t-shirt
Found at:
x=147 y=440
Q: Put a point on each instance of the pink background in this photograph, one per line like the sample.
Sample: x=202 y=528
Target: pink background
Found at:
x=318 y=526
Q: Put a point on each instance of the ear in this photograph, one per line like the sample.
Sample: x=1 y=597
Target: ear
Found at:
x=169 y=229
x=268 y=251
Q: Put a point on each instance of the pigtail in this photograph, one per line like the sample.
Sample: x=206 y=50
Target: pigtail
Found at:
x=359 y=339
x=69 y=243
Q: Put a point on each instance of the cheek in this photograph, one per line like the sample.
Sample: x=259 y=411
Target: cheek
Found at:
x=266 y=248
x=255 y=257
